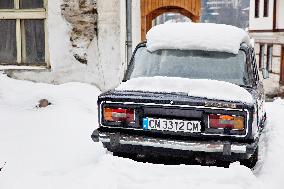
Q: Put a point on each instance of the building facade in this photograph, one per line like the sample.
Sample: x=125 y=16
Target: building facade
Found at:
x=58 y=41
x=91 y=41
x=266 y=26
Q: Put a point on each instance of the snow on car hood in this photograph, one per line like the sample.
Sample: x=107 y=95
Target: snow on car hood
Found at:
x=211 y=89
x=197 y=36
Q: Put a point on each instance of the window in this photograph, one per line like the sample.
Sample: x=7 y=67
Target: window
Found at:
x=265 y=8
x=261 y=56
x=255 y=70
x=269 y=58
x=193 y=64
x=256 y=8
x=23 y=40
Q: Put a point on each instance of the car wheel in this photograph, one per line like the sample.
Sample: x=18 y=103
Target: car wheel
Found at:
x=115 y=152
x=251 y=162
x=256 y=161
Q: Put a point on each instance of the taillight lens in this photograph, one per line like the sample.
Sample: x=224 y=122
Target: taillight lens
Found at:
x=119 y=115
x=226 y=121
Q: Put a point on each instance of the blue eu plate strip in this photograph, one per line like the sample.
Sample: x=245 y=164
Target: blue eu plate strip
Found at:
x=145 y=123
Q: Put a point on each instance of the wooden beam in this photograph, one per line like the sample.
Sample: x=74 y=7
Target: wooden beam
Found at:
x=46 y=47
x=19 y=41
x=20 y=14
x=46 y=37
x=23 y=42
x=274 y=14
x=282 y=66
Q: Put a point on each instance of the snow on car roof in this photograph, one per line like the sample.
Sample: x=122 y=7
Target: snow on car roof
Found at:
x=197 y=36
x=210 y=89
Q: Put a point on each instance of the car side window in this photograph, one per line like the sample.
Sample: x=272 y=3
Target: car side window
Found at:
x=250 y=70
x=255 y=68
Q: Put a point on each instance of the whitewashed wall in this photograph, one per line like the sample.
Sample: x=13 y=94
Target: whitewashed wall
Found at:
x=261 y=23
x=280 y=14
x=109 y=41
x=136 y=28
x=136 y=23
x=104 y=68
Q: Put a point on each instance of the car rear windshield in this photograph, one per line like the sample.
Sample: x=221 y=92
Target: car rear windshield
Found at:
x=193 y=64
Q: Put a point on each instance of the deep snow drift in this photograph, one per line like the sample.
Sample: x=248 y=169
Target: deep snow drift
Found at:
x=197 y=36
x=51 y=148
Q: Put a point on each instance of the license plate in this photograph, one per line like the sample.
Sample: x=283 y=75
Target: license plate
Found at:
x=171 y=125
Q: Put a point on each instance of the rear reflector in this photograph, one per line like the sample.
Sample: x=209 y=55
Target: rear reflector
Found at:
x=119 y=114
x=226 y=121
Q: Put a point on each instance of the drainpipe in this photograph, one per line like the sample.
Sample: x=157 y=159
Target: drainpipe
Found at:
x=129 y=29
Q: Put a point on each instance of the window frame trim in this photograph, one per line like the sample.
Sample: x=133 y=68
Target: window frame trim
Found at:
x=21 y=14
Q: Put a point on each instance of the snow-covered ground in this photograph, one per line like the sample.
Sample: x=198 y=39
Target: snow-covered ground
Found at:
x=50 y=148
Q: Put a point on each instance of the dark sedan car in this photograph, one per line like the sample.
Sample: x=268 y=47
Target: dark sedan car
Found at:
x=173 y=122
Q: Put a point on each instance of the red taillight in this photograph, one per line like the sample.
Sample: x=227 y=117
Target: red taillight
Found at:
x=226 y=121
x=119 y=114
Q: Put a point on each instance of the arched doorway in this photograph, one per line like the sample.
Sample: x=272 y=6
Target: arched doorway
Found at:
x=150 y=9
x=170 y=17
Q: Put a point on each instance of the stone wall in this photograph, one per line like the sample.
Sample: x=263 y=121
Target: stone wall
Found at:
x=82 y=16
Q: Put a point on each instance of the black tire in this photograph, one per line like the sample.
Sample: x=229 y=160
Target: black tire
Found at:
x=115 y=152
x=251 y=162
x=107 y=146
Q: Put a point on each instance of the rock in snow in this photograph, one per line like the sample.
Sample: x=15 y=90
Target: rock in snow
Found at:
x=197 y=36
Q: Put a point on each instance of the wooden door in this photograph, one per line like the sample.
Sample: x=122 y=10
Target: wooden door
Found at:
x=282 y=67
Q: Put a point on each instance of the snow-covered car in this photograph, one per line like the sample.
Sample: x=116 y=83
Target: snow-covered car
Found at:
x=191 y=90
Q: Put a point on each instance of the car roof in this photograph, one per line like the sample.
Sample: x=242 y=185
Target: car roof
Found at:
x=197 y=36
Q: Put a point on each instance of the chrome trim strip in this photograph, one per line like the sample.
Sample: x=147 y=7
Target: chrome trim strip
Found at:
x=172 y=144
x=169 y=105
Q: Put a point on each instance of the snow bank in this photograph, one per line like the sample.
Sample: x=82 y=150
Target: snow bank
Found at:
x=197 y=36
x=273 y=168
x=210 y=89
x=51 y=148
x=41 y=145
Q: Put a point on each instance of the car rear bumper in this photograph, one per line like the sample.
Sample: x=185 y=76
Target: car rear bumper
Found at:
x=223 y=147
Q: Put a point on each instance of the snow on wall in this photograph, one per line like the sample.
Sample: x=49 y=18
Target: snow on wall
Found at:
x=103 y=53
